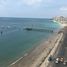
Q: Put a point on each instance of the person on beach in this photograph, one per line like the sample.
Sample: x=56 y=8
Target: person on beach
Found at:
x=50 y=58
x=1 y=32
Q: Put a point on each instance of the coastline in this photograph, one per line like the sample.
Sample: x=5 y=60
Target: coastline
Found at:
x=36 y=52
x=33 y=54
x=62 y=24
x=15 y=48
x=31 y=59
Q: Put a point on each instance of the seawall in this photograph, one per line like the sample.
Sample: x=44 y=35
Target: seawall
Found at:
x=57 y=46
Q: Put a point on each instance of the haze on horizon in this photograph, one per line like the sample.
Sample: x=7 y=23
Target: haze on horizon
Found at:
x=33 y=8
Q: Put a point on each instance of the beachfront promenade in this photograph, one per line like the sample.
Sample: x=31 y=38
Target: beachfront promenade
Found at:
x=53 y=53
x=63 y=50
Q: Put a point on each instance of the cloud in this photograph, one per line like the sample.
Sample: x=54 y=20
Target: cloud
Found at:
x=63 y=9
x=31 y=7
x=2 y=2
x=36 y=2
x=25 y=2
x=31 y=2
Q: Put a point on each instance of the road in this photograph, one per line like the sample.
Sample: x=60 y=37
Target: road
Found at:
x=63 y=51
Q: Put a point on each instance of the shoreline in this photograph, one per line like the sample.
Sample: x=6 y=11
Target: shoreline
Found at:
x=62 y=24
x=33 y=54
x=30 y=50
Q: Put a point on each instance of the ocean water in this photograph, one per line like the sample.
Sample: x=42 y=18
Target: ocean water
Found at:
x=15 y=41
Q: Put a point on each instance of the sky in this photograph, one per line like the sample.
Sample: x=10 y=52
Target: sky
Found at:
x=33 y=8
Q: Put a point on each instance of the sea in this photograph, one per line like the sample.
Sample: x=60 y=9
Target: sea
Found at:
x=15 y=41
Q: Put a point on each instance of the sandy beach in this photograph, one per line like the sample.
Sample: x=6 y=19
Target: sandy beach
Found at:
x=37 y=55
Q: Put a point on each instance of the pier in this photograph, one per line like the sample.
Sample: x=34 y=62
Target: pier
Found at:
x=40 y=30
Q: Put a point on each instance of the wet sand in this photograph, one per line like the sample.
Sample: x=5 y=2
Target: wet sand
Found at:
x=37 y=55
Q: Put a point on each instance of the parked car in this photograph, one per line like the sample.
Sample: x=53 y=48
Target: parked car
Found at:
x=65 y=62
x=57 y=60
x=61 y=59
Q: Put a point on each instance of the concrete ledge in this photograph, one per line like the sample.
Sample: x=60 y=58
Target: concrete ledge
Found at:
x=46 y=62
